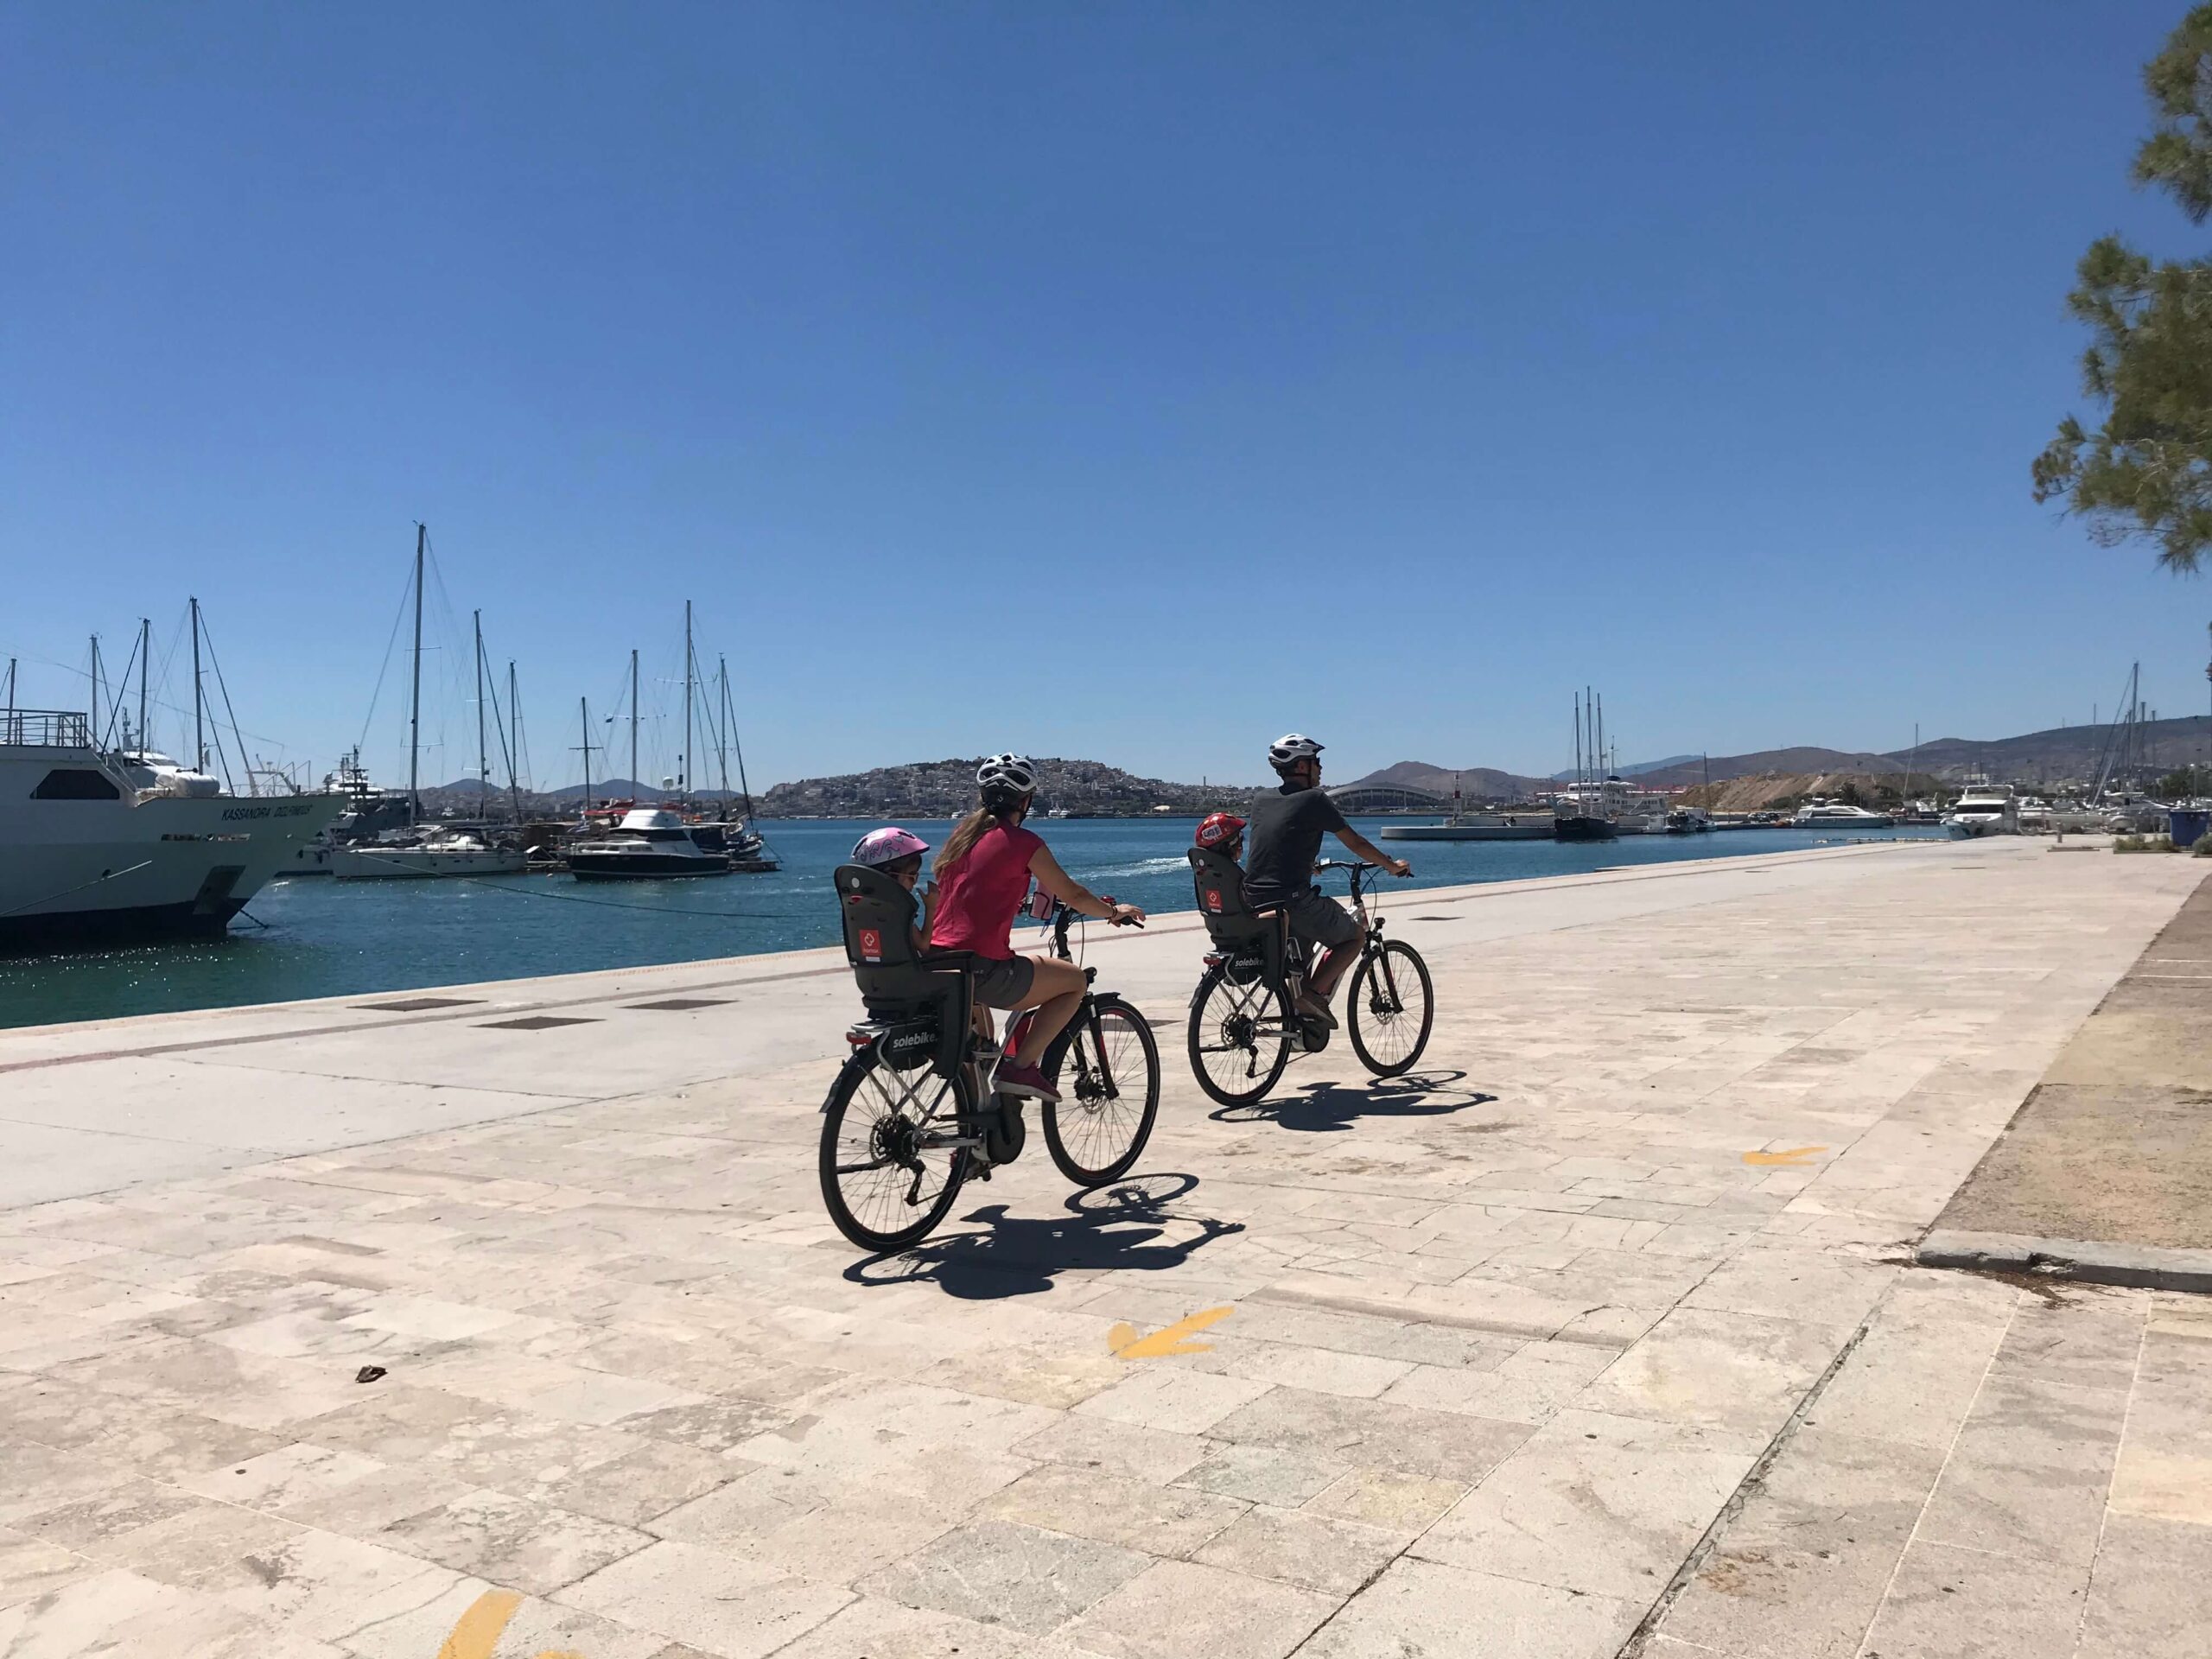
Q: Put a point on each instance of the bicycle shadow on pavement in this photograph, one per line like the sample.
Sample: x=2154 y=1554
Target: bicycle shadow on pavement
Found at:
x=1126 y=1224
x=1330 y=1107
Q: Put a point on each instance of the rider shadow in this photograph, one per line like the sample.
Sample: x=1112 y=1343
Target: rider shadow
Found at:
x=1330 y=1107
x=1124 y=1225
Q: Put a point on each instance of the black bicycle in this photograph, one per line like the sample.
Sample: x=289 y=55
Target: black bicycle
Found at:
x=1245 y=1020
x=914 y=1111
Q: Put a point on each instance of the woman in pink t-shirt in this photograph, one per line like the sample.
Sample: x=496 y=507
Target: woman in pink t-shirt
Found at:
x=982 y=875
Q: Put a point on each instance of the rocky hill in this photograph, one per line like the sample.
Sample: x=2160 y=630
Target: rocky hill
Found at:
x=1771 y=762
x=2047 y=758
x=1474 y=783
x=945 y=789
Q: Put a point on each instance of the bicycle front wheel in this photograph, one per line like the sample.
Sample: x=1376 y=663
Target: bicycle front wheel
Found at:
x=1390 y=1008
x=1109 y=1093
x=888 y=1174
x=1239 y=1038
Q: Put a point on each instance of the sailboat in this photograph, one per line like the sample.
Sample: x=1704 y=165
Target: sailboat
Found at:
x=677 y=838
x=414 y=852
x=1584 y=812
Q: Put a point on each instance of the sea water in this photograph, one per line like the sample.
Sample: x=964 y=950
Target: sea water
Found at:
x=313 y=935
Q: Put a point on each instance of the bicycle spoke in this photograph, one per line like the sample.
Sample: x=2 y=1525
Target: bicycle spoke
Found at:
x=884 y=1145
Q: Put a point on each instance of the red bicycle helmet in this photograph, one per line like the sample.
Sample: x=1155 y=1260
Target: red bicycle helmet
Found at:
x=1218 y=830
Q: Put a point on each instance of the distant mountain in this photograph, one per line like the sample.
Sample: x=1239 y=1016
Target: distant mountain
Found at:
x=1726 y=766
x=2063 y=754
x=2048 y=757
x=1474 y=783
x=1567 y=775
x=946 y=789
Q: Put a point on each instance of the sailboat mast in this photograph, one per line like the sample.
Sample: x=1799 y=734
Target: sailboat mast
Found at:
x=96 y=689
x=583 y=715
x=729 y=720
x=483 y=761
x=514 y=743
x=198 y=733
x=721 y=726
x=1578 y=743
x=684 y=768
x=145 y=652
x=415 y=702
x=634 y=786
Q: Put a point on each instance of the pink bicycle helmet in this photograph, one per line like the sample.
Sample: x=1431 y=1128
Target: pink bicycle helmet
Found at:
x=887 y=846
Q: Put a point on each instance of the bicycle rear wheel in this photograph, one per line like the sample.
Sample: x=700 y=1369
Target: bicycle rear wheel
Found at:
x=886 y=1176
x=1109 y=1094
x=1390 y=1008
x=1239 y=1038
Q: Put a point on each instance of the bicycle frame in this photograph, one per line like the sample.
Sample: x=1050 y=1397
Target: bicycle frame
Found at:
x=1086 y=1014
x=1297 y=966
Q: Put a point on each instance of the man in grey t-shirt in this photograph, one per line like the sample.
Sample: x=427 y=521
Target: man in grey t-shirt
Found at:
x=1284 y=838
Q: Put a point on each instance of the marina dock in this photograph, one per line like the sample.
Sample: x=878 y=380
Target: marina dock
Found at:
x=504 y=1318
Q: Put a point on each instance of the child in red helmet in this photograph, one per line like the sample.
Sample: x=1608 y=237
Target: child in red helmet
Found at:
x=1223 y=833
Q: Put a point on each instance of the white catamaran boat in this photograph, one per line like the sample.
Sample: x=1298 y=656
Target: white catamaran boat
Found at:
x=99 y=846
x=1984 y=809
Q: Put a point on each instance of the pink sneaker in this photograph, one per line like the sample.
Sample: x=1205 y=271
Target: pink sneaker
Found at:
x=1025 y=1080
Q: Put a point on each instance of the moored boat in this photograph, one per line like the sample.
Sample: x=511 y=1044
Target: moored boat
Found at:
x=1819 y=814
x=650 y=841
x=99 y=846
x=438 y=852
x=1534 y=825
x=1984 y=810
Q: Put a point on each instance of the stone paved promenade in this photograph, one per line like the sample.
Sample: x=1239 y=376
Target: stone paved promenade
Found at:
x=1593 y=1336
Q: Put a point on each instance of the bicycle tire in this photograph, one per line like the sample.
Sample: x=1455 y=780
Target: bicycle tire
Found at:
x=862 y=1072
x=1402 y=970
x=1116 y=1020
x=1263 y=1005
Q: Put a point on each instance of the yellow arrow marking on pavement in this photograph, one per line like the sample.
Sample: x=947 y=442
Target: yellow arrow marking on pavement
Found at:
x=1168 y=1340
x=480 y=1628
x=1795 y=1157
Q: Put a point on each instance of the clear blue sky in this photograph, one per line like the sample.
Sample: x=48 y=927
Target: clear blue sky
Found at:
x=1127 y=381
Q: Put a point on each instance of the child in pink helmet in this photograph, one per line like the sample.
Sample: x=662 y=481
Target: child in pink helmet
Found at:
x=897 y=854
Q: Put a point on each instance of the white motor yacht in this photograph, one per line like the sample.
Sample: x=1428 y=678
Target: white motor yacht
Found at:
x=1533 y=825
x=650 y=842
x=100 y=846
x=1984 y=809
x=434 y=853
x=1817 y=814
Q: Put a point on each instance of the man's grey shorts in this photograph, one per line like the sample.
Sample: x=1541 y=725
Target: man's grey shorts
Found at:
x=1004 y=984
x=1321 y=920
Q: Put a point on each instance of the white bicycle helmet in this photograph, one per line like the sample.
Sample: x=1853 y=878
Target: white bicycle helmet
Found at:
x=1289 y=747
x=1014 y=773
